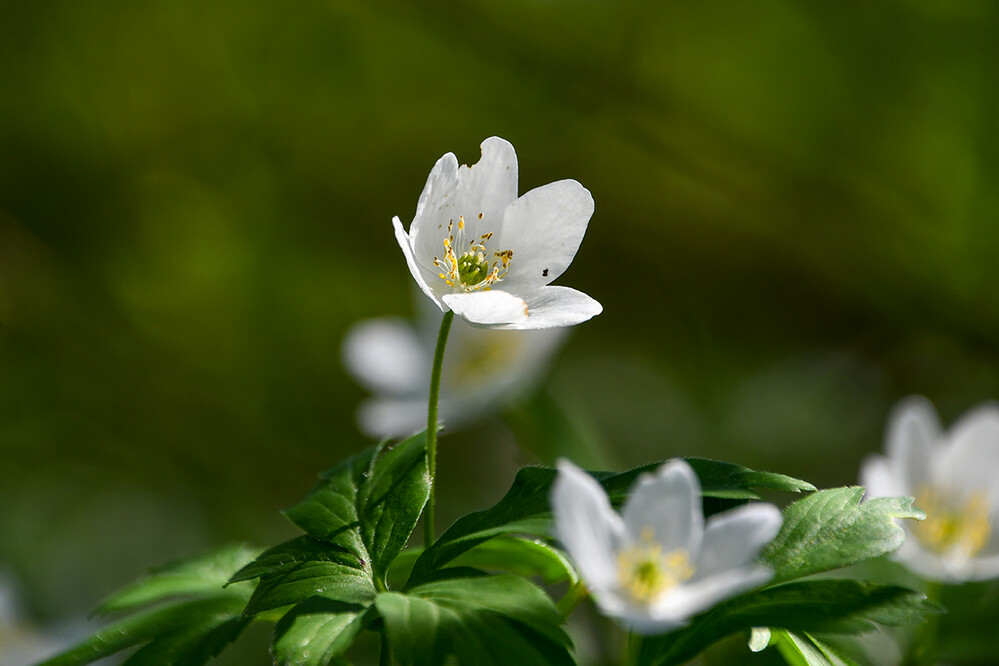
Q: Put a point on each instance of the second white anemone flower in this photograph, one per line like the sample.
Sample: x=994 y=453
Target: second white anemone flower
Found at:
x=483 y=370
x=657 y=564
x=952 y=476
x=475 y=248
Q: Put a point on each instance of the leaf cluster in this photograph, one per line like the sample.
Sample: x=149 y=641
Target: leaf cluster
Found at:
x=474 y=593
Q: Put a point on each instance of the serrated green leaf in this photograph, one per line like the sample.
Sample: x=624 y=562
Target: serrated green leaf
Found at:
x=194 y=618
x=200 y=576
x=203 y=618
x=829 y=606
x=833 y=529
x=806 y=650
x=330 y=579
x=293 y=554
x=190 y=646
x=525 y=557
x=484 y=621
x=391 y=499
x=369 y=504
x=329 y=512
x=524 y=509
x=728 y=480
x=317 y=631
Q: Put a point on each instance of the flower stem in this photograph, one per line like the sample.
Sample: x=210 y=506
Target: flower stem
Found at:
x=385 y=654
x=925 y=645
x=435 y=393
x=576 y=593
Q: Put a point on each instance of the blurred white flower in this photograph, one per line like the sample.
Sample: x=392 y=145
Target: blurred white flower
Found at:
x=658 y=564
x=22 y=642
x=476 y=248
x=953 y=477
x=483 y=369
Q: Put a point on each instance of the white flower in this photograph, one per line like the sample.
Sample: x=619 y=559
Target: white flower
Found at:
x=477 y=249
x=657 y=564
x=482 y=370
x=23 y=642
x=953 y=477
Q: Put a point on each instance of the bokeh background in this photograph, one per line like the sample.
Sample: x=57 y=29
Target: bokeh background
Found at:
x=796 y=225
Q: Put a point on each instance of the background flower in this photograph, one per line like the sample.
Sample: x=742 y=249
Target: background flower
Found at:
x=657 y=564
x=483 y=370
x=952 y=476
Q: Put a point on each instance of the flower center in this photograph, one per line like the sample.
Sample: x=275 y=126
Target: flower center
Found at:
x=646 y=572
x=470 y=270
x=958 y=525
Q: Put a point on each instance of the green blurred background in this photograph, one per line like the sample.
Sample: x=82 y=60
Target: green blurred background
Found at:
x=796 y=225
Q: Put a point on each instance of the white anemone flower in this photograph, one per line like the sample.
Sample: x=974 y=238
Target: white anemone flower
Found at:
x=475 y=248
x=657 y=564
x=483 y=370
x=952 y=476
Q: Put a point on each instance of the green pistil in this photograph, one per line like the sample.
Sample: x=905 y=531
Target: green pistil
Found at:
x=472 y=268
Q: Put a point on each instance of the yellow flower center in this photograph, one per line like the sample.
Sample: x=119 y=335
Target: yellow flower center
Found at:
x=953 y=524
x=646 y=572
x=471 y=269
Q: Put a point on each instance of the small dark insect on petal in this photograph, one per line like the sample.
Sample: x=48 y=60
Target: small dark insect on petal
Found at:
x=544 y=273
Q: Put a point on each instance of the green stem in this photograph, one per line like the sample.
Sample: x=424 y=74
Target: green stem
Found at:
x=634 y=647
x=385 y=654
x=576 y=593
x=925 y=645
x=435 y=393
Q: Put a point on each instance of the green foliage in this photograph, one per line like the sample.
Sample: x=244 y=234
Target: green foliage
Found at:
x=485 y=621
x=317 y=631
x=524 y=556
x=832 y=606
x=196 y=615
x=524 y=509
x=328 y=585
x=806 y=650
x=833 y=529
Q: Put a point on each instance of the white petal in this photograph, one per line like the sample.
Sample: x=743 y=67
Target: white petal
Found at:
x=386 y=356
x=971 y=461
x=983 y=568
x=669 y=504
x=379 y=417
x=544 y=229
x=487 y=308
x=553 y=307
x=689 y=599
x=734 y=539
x=485 y=360
x=639 y=620
x=486 y=188
x=878 y=480
x=435 y=208
x=913 y=431
x=419 y=272
x=587 y=526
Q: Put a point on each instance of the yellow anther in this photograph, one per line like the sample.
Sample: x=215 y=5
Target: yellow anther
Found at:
x=461 y=222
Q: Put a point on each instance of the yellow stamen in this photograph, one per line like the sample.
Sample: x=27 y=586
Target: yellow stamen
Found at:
x=646 y=572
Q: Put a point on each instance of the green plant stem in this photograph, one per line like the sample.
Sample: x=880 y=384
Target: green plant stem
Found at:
x=385 y=654
x=435 y=393
x=572 y=597
x=925 y=646
x=633 y=646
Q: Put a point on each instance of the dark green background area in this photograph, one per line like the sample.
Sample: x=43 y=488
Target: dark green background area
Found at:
x=796 y=225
